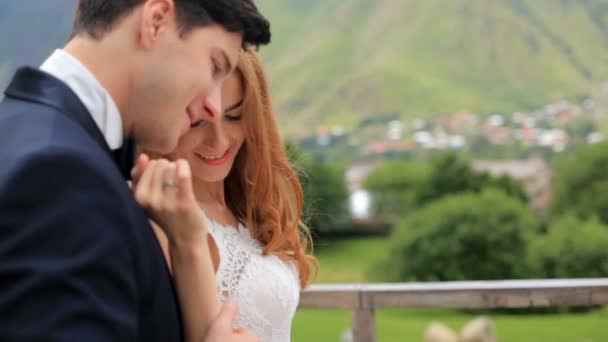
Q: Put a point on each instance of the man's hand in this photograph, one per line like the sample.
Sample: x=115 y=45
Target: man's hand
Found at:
x=222 y=331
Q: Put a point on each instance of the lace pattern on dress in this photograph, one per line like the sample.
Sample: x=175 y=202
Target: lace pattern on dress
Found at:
x=266 y=288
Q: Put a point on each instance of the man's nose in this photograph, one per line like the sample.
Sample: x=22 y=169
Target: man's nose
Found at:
x=212 y=106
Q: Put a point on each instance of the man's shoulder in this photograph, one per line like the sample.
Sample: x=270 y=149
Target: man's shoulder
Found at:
x=36 y=123
x=35 y=133
x=46 y=176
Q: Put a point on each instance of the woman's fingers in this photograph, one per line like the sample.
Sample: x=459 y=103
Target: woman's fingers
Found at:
x=161 y=182
x=140 y=166
x=184 y=180
x=143 y=186
x=165 y=191
x=165 y=188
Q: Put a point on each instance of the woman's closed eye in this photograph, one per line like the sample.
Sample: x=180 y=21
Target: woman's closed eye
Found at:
x=233 y=112
x=233 y=117
x=229 y=117
x=197 y=123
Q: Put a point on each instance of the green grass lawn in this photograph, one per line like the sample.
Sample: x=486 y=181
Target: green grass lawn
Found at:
x=348 y=261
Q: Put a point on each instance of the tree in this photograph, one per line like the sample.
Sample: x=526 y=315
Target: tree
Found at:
x=580 y=127
x=581 y=184
x=325 y=192
x=398 y=187
x=452 y=174
x=395 y=187
x=470 y=236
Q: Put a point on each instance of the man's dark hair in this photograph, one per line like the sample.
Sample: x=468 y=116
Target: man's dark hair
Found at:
x=96 y=17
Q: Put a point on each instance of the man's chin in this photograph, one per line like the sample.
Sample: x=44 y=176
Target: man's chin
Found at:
x=185 y=128
x=159 y=147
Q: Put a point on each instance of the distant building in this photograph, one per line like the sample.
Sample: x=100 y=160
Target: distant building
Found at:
x=498 y=135
x=533 y=174
x=595 y=137
x=461 y=122
x=554 y=138
x=360 y=200
x=496 y=120
x=360 y=205
x=424 y=139
x=395 y=130
x=377 y=147
x=357 y=173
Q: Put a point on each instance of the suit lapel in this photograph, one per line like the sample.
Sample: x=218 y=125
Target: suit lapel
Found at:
x=34 y=85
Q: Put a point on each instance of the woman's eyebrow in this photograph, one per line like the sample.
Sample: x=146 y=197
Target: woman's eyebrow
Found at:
x=233 y=107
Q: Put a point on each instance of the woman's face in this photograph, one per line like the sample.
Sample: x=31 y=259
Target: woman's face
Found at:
x=211 y=147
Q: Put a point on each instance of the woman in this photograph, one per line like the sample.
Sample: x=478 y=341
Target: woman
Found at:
x=251 y=203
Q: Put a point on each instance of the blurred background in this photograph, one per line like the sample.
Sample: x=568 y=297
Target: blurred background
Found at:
x=437 y=140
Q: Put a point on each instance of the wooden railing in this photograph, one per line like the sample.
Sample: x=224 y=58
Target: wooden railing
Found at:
x=363 y=299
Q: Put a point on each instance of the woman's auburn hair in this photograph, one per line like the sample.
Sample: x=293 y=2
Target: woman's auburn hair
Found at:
x=263 y=189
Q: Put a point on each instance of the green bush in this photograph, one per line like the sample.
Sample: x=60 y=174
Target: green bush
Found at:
x=471 y=236
x=581 y=184
x=572 y=248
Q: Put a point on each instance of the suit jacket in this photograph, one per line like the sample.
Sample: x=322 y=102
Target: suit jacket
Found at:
x=78 y=259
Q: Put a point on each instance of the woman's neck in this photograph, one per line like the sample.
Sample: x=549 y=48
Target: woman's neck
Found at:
x=211 y=197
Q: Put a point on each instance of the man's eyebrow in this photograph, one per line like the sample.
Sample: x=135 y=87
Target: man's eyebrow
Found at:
x=233 y=107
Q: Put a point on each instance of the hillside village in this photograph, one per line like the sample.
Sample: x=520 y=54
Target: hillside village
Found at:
x=533 y=138
x=555 y=126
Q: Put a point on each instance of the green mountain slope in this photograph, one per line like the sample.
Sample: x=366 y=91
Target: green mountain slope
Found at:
x=339 y=61
x=355 y=58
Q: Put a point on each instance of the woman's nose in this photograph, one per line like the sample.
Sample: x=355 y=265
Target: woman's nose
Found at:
x=216 y=137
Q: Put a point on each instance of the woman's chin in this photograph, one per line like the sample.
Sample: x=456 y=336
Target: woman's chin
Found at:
x=209 y=176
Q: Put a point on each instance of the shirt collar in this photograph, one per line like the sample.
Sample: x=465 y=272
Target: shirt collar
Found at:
x=93 y=95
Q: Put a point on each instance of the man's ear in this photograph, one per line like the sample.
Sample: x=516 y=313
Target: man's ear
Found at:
x=156 y=18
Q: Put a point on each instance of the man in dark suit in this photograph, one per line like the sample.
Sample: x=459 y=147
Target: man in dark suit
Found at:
x=78 y=259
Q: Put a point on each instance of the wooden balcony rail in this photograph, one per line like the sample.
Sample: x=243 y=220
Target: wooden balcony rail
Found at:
x=363 y=299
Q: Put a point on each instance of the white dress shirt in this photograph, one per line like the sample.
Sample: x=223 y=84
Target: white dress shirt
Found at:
x=93 y=95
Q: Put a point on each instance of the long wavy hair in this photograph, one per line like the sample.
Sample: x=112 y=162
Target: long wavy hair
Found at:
x=263 y=189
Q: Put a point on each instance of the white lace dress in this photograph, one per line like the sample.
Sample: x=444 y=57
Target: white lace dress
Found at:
x=266 y=288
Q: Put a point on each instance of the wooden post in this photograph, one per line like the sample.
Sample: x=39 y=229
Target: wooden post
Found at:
x=364 y=327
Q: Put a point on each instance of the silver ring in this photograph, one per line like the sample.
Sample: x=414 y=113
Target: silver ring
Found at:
x=169 y=183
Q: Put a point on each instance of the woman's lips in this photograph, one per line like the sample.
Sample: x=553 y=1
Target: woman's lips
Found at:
x=215 y=160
